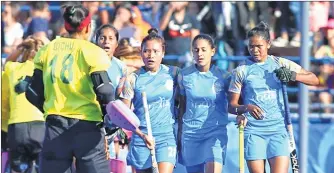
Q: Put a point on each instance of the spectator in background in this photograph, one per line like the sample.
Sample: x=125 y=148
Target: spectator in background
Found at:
x=327 y=68
x=2 y=36
x=139 y=22
x=179 y=28
x=93 y=8
x=39 y=24
x=152 y=12
x=283 y=13
x=129 y=54
x=319 y=12
x=122 y=20
x=12 y=31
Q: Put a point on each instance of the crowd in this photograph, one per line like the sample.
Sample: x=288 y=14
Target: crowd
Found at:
x=71 y=63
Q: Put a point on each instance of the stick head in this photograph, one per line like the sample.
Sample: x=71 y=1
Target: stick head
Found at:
x=122 y=116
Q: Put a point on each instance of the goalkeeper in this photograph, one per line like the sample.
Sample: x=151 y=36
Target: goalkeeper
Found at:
x=26 y=127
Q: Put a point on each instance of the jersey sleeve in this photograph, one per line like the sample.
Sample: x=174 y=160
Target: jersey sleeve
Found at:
x=39 y=58
x=97 y=59
x=180 y=84
x=289 y=64
x=237 y=78
x=127 y=90
x=5 y=97
x=124 y=70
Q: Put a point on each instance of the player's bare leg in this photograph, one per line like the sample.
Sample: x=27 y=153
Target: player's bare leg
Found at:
x=213 y=167
x=279 y=164
x=256 y=166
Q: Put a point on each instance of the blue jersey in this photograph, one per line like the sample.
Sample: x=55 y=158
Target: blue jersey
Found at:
x=116 y=71
x=160 y=88
x=206 y=101
x=258 y=85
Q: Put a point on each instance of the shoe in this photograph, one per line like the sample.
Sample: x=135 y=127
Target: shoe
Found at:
x=280 y=42
x=295 y=43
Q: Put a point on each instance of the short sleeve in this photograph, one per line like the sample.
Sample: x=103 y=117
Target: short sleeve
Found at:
x=289 y=64
x=128 y=85
x=97 y=59
x=5 y=97
x=237 y=79
x=180 y=83
x=39 y=58
x=124 y=70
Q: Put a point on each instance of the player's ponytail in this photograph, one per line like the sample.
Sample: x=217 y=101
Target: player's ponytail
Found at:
x=153 y=34
x=262 y=30
x=76 y=18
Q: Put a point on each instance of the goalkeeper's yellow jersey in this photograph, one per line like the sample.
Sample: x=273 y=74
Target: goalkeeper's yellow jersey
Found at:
x=4 y=102
x=68 y=89
x=20 y=109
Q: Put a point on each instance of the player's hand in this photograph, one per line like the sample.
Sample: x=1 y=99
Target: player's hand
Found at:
x=285 y=75
x=255 y=111
x=149 y=142
x=241 y=120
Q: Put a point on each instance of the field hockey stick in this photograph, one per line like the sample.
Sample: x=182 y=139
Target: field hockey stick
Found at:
x=149 y=133
x=122 y=116
x=292 y=144
x=241 y=149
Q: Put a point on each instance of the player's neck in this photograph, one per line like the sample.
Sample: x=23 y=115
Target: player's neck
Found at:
x=153 y=70
x=78 y=36
x=205 y=68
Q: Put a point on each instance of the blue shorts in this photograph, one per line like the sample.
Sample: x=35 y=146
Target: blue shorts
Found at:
x=197 y=152
x=260 y=147
x=139 y=156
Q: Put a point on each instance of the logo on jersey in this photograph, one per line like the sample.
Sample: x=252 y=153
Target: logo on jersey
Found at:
x=217 y=87
x=169 y=84
x=266 y=96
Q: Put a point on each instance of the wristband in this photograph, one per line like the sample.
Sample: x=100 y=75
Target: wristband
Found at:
x=293 y=76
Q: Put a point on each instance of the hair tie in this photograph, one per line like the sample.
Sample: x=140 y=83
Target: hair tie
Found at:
x=72 y=10
x=82 y=25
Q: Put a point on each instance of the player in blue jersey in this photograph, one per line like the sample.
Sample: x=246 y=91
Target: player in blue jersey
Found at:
x=257 y=81
x=107 y=38
x=159 y=82
x=202 y=134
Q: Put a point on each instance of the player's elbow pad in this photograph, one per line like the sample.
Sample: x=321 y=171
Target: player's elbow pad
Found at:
x=35 y=90
x=103 y=87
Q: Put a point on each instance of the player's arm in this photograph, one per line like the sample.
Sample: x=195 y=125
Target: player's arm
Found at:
x=307 y=77
x=234 y=96
x=35 y=90
x=127 y=94
x=103 y=88
x=290 y=71
x=182 y=108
